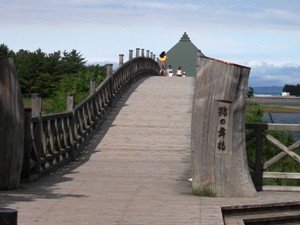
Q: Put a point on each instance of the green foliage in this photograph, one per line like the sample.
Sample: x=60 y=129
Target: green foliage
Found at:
x=78 y=84
x=39 y=72
x=54 y=75
x=254 y=113
x=5 y=51
x=71 y=62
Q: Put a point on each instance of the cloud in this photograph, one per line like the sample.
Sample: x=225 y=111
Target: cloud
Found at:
x=266 y=74
x=211 y=14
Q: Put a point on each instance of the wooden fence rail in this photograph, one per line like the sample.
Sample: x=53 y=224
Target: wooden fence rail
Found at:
x=258 y=168
x=55 y=139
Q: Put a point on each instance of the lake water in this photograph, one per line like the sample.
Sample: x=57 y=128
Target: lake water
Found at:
x=283 y=118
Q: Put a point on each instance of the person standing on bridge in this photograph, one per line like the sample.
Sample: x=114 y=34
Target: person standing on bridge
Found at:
x=162 y=63
x=162 y=59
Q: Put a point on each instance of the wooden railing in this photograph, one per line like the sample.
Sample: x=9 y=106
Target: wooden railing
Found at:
x=53 y=140
x=259 y=167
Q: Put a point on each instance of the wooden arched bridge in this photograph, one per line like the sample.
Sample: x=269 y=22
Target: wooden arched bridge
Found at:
x=123 y=156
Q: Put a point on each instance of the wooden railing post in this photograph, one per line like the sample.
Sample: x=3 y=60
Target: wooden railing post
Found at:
x=109 y=70
x=137 y=53
x=36 y=104
x=36 y=107
x=70 y=107
x=151 y=55
x=121 y=59
x=109 y=73
x=130 y=54
x=258 y=166
x=70 y=102
x=92 y=85
x=147 y=54
x=28 y=145
x=143 y=52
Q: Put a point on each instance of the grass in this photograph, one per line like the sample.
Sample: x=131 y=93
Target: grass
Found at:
x=280 y=109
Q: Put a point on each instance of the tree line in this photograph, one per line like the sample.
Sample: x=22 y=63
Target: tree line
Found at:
x=46 y=73
x=292 y=89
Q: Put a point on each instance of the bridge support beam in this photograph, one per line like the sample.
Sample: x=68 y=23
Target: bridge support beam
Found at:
x=219 y=162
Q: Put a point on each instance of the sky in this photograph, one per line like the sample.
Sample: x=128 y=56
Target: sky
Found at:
x=261 y=34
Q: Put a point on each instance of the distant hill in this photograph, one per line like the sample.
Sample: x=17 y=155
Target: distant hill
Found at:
x=268 y=90
x=103 y=63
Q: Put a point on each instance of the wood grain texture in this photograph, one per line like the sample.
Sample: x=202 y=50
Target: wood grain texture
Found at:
x=11 y=126
x=219 y=161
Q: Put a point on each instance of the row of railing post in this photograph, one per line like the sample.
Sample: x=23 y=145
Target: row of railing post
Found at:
x=139 y=53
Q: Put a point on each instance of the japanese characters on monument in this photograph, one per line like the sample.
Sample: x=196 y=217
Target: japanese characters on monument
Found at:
x=223 y=145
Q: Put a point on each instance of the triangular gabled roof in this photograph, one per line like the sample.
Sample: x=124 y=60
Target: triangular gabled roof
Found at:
x=184 y=54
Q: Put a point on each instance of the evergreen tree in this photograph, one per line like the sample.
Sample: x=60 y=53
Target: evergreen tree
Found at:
x=71 y=62
x=292 y=89
x=5 y=51
x=53 y=63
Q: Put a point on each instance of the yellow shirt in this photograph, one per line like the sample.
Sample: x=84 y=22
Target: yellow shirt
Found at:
x=163 y=59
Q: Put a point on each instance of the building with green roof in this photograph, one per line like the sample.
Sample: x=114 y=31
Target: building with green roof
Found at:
x=184 y=54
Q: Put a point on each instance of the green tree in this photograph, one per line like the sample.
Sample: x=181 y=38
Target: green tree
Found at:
x=5 y=51
x=78 y=84
x=250 y=92
x=25 y=71
x=292 y=89
x=71 y=62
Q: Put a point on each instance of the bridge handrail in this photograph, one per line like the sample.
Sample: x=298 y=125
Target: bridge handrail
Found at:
x=258 y=131
x=57 y=138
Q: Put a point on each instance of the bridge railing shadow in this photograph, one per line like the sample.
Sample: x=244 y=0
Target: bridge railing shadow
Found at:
x=47 y=186
x=54 y=140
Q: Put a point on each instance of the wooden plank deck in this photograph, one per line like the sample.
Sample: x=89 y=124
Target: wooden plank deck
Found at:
x=133 y=172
